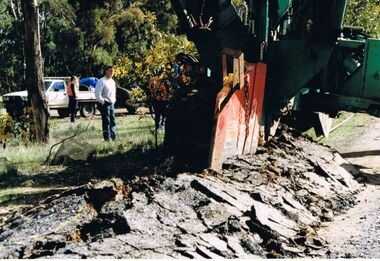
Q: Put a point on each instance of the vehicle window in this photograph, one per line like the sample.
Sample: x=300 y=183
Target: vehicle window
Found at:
x=59 y=87
x=84 y=87
x=47 y=84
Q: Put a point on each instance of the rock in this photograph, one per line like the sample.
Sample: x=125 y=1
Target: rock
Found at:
x=73 y=150
x=328 y=216
x=207 y=253
x=190 y=254
x=233 y=213
x=315 y=210
x=296 y=211
x=215 y=213
x=251 y=245
x=222 y=192
x=232 y=225
x=293 y=250
x=44 y=225
x=214 y=241
x=234 y=244
x=272 y=220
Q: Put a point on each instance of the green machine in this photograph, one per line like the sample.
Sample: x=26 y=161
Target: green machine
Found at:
x=314 y=63
x=357 y=87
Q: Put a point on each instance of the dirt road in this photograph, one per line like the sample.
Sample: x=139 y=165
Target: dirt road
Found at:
x=357 y=233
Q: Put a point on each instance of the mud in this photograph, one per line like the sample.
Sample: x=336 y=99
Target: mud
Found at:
x=271 y=204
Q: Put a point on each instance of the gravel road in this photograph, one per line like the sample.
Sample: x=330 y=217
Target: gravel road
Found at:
x=357 y=233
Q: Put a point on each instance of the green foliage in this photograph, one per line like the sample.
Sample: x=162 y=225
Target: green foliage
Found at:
x=237 y=2
x=14 y=132
x=162 y=9
x=11 y=54
x=82 y=36
x=158 y=58
x=364 y=13
x=138 y=95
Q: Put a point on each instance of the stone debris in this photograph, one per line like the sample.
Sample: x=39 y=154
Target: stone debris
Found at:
x=266 y=205
x=73 y=150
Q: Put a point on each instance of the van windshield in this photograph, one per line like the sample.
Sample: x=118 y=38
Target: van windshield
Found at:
x=47 y=84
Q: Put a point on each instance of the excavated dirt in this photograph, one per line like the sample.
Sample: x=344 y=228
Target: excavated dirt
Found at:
x=270 y=204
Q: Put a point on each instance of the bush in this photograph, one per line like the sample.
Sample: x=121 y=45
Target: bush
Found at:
x=138 y=95
x=14 y=131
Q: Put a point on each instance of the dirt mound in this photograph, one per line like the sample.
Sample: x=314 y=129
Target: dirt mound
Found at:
x=266 y=205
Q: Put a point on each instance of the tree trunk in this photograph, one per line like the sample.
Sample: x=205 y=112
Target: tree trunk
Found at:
x=34 y=72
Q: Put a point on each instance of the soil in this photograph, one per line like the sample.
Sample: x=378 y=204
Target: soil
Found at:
x=272 y=204
x=357 y=233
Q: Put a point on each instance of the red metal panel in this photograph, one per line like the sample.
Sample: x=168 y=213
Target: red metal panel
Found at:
x=257 y=105
x=237 y=124
x=219 y=131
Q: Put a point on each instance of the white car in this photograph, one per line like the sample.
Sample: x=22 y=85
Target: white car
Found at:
x=56 y=94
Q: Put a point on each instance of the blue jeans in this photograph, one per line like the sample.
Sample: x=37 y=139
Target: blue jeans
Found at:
x=108 y=121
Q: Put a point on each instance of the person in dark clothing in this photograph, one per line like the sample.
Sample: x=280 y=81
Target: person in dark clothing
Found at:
x=72 y=92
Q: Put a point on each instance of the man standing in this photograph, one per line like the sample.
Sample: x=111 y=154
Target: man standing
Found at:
x=105 y=92
x=72 y=92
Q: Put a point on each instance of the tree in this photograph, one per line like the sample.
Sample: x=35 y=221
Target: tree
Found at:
x=97 y=21
x=82 y=36
x=11 y=47
x=366 y=14
x=34 y=72
x=163 y=10
x=147 y=51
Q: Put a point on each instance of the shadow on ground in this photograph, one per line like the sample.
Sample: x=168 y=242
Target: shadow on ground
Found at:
x=138 y=161
x=358 y=154
x=29 y=198
x=362 y=176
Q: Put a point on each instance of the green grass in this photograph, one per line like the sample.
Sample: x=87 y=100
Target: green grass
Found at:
x=337 y=138
x=25 y=196
x=342 y=116
x=352 y=128
x=22 y=168
x=132 y=130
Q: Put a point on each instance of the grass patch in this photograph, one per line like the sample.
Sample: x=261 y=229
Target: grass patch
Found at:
x=340 y=119
x=24 y=158
x=354 y=127
x=25 y=196
x=132 y=130
x=134 y=153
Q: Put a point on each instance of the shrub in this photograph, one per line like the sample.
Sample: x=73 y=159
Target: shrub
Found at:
x=138 y=95
x=14 y=131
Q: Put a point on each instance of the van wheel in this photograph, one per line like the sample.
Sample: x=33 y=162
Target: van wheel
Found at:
x=63 y=113
x=87 y=110
x=131 y=108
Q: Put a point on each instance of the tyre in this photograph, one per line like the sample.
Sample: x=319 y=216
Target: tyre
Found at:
x=87 y=110
x=131 y=108
x=14 y=107
x=63 y=113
